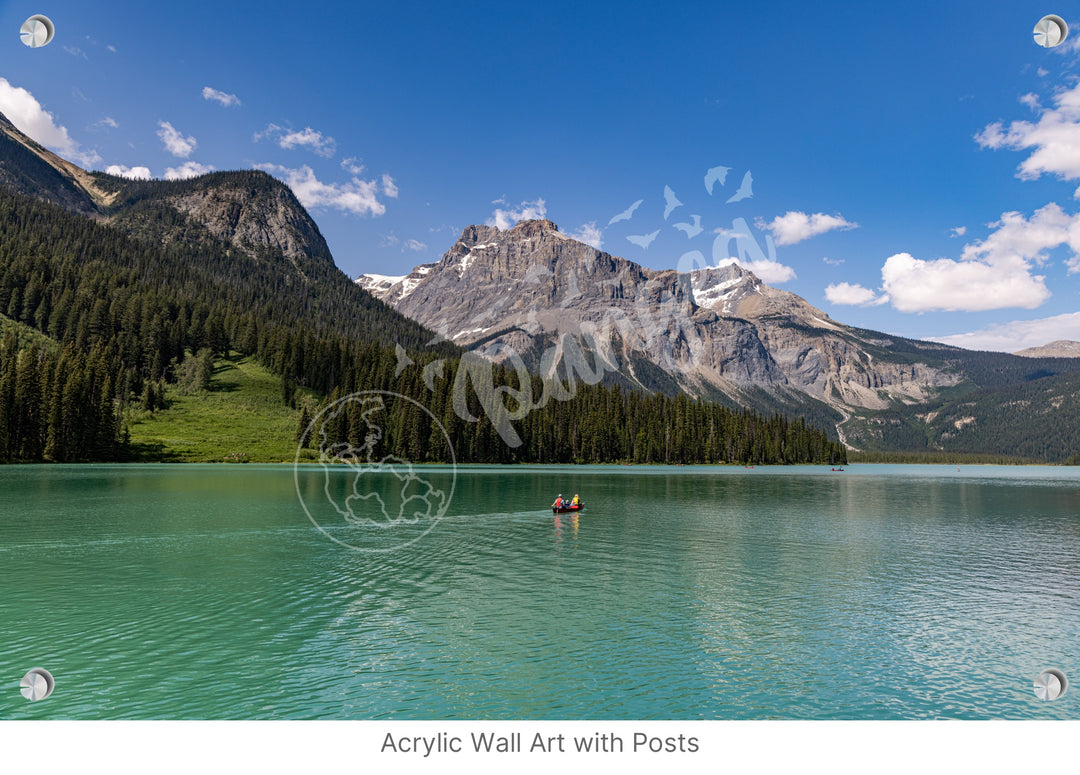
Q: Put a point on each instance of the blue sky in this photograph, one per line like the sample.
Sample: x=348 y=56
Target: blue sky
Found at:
x=915 y=165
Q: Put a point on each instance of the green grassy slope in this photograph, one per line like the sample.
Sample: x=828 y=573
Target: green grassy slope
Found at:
x=26 y=334
x=241 y=418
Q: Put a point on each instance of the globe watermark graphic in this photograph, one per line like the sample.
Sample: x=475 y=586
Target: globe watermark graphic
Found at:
x=357 y=476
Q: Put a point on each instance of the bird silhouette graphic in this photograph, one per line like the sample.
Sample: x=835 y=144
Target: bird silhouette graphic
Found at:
x=744 y=191
x=403 y=360
x=691 y=230
x=715 y=174
x=643 y=240
x=626 y=214
x=670 y=200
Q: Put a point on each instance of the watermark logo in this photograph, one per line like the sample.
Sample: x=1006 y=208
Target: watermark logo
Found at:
x=357 y=474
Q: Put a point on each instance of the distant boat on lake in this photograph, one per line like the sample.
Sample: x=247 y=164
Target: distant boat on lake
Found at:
x=565 y=509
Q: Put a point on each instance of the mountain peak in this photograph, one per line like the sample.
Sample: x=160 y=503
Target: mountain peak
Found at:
x=534 y=228
x=246 y=210
x=535 y=294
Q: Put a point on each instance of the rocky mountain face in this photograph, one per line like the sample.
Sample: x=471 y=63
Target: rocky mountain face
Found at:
x=560 y=306
x=828 y=360
x=1062 y=348
x=249 y=211
x=533 y=294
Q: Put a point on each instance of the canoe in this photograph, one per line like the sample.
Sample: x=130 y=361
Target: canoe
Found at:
x=565 y=509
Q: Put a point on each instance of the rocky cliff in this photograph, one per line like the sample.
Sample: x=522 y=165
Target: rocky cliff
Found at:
x=532 y=293
x=249 y=210
x=561 y=306
x=828 y=360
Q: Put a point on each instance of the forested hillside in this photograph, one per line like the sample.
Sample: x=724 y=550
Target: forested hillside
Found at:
x=1037 y=418
x=121 y=314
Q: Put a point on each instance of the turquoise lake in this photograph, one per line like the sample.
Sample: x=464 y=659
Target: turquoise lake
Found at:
x=206 y=592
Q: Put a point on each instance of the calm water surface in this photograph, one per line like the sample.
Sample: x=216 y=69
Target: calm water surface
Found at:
x=206 y=592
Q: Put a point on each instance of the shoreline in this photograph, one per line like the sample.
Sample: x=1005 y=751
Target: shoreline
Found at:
x=830 y=468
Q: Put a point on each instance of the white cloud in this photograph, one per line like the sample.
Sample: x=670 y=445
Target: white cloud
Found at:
x=415 y=244
x=307 y=137
x=352 y=166
x=359 y=197
x=914 y=285
x=958 y=231
x=189 y=169
x=1031 y=100
x=1018 y=334
x=1054 y=138
x=389 y=187
x=833 y=261
x=793 y=226
x=854 y=295
x=227 y=100
x=738 y=246
x=993 y=135
x=1042 y=72
x=771 y=272
x=590 y=234
x=175 y=142
x=526 y=211
x=994 y=273
x=26 y=113
x=1016 y=238
x=75 y=51
x=134 y=173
